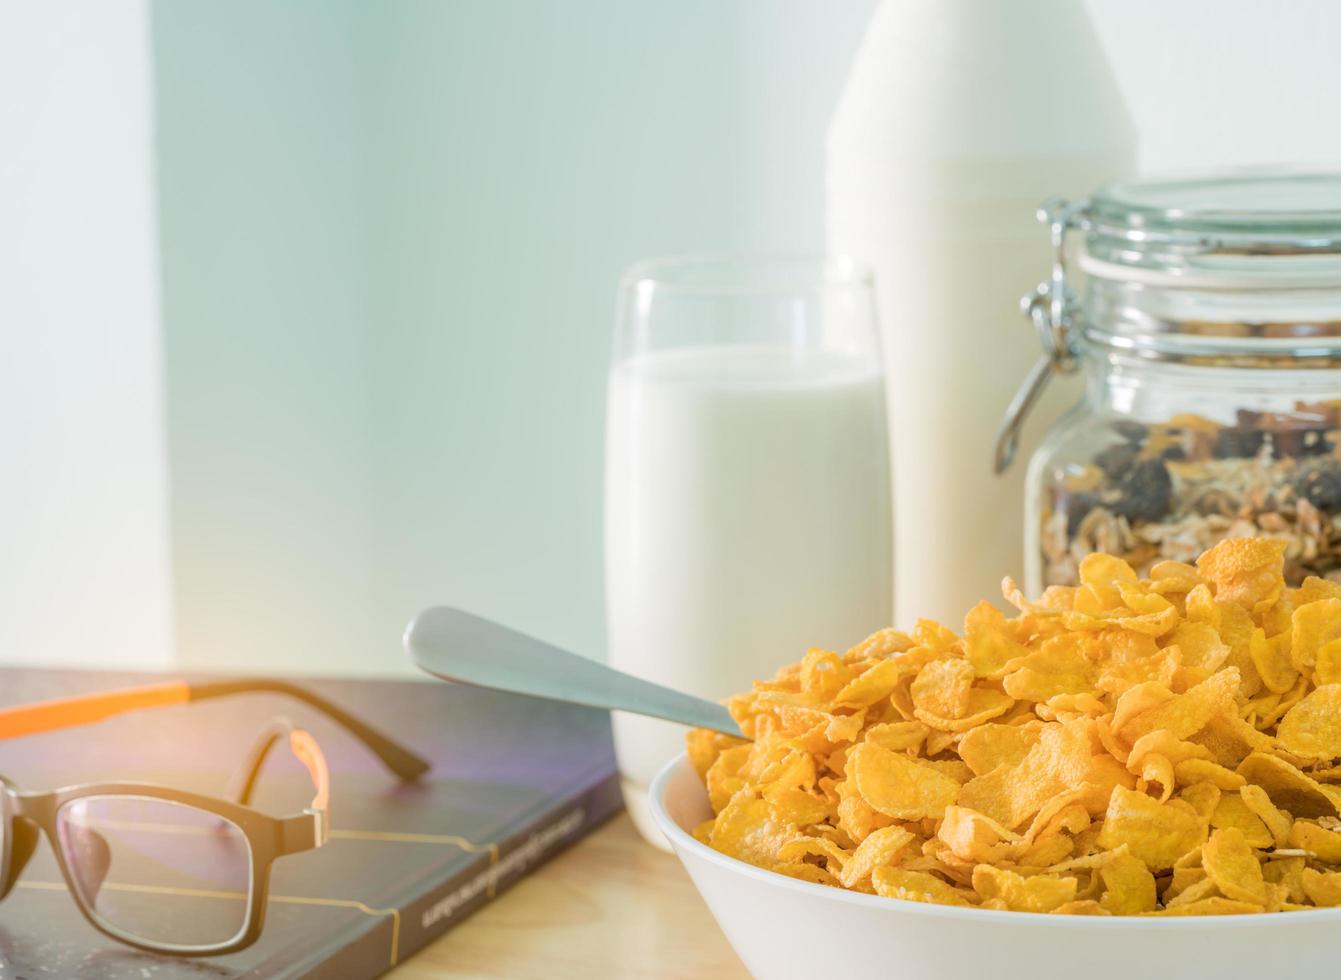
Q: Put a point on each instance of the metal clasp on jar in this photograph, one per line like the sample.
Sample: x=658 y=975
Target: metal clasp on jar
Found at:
x=1055 y=311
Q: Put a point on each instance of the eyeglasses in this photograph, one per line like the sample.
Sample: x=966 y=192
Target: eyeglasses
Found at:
x=159 y=868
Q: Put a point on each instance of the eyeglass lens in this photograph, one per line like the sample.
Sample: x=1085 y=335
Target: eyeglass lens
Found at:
x=161 y=872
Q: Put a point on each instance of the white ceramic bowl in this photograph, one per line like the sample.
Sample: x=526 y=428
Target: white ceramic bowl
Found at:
x=784 y=928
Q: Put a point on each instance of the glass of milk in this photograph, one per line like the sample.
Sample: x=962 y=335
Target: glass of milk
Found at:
x=747 y=500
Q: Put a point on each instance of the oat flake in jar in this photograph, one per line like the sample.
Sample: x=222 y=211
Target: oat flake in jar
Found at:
x=1209 y=334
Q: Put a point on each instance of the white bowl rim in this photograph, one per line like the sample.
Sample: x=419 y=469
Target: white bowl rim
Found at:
x=684 y=841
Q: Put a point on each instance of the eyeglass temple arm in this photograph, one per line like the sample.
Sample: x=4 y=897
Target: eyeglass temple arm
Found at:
x=399 y=759
x=312 y=827
x=45 y=716
x=301 y=744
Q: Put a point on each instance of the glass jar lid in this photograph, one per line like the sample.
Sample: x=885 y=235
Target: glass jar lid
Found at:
x=1238 y=268
x=1259 y=228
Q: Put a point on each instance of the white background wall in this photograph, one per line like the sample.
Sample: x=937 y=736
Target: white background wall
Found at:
x=390 y=237
x=83 y=509
x=1219 y=82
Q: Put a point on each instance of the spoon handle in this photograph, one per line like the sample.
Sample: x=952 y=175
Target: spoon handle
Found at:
x=468 y=649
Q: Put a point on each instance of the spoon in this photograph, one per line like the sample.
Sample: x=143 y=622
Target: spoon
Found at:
x=458 y=646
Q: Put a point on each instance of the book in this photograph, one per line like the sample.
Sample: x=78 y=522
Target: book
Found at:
x=514 y=781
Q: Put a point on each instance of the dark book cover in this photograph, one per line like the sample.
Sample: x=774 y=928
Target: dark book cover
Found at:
x=514 y=780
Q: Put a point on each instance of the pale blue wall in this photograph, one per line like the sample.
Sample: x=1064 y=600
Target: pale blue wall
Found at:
x=265 y=330
x=391 y=235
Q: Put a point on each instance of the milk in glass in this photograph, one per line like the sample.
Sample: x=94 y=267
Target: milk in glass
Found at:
x=747 y=518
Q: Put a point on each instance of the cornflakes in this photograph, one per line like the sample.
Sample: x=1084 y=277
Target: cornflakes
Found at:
x=893 y=784
x=1319 y=842
x=1129 y=887
x=1234 y=867
x=1020 y=894
x=880 y=849
x=1312 y=728
x=1166 y=746
x=1157 y=833
x=916 y=886
x=1231 y=811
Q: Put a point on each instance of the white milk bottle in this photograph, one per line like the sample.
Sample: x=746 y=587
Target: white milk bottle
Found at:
x=747 y=482
x=958 y=118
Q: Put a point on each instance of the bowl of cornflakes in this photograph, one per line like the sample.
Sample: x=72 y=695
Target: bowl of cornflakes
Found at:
x=1129 y=776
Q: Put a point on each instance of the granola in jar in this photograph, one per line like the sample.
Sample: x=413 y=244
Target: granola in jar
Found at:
x=1172 y=490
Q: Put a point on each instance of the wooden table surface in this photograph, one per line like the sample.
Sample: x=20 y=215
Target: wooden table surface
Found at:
x=609 y=906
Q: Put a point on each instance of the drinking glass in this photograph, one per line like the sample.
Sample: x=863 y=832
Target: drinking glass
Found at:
x=747 y=500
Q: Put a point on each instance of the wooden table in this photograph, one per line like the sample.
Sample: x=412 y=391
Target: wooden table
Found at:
x=610 y=906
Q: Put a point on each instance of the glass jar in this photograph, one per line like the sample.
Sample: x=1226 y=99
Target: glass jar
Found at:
x=1209 y=336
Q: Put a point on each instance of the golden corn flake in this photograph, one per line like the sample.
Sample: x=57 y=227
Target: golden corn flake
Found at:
x=1059 y=667
x=991 y=745
x=1085 y=906
x=1249 y=572
x=989 y=643
x=1128 y=886
x=812 y=873
x=898 y=736
x=1312 y=728
x=973 y=836
x=1184 y=715
x=1192 y=771
x=1322 y=888
x=1231 y=811
x=1127 y=746
x=874 y=684
x=1271 y=659
x=1314 y=625
x=1020 y=894
x=916 y=886
x=1288 y=787
x=1194 y=885
x=943 y=688
x=1200 y=644
x=798 y=849
x=1277 y=821
x=1213 y=906
x=1203 y=798
x=1157 y=833
x=893 y=784
x=1318 y=842
x=984 y=704
x=1327 y=668
x=880 y=849
x=745 y=829
x=1234 y=866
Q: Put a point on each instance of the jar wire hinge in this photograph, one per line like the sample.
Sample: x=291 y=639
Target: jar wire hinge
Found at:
x=1054 y=309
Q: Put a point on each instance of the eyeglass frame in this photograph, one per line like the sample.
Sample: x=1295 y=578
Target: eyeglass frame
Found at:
x=26 y=813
